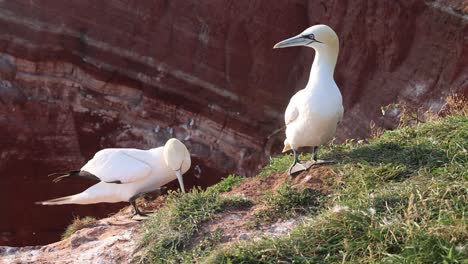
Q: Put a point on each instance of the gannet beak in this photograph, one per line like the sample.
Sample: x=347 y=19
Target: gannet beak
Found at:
x=286 y=147
x=180 y=179
x=291 y=42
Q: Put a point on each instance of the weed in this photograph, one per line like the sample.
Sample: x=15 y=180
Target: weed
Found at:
x=287 y=202
x=226 y=184
x=77 y=224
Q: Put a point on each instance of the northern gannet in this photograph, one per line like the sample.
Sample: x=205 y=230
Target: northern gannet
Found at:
x=126 y=174
x=314 y=112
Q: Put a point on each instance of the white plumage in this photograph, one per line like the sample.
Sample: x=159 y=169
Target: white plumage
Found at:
x=313 y=113
x=126 y=173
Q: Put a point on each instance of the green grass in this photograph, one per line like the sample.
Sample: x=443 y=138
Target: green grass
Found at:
x=287 y=202
x=226 y=184
x=401 y=198
x=168 y=233
x=77 y=224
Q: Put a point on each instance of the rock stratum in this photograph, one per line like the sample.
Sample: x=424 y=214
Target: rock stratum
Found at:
x=78 y=76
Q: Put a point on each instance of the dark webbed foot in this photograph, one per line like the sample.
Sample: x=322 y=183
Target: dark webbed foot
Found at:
x=311 y=163
x=139 y=213
x=296 y=168
x=315 y=162
x=136 y=211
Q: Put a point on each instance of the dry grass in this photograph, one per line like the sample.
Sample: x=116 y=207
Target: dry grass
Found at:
x=77 y=224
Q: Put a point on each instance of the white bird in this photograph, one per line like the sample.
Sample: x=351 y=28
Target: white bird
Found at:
x=314 y=112
x=125 y=174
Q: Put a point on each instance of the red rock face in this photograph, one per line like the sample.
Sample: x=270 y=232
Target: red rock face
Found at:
x=78 y=76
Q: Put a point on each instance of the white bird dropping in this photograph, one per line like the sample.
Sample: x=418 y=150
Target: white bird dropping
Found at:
x=314 y=112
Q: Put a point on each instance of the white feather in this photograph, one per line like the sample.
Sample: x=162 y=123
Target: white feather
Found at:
x=139 y=171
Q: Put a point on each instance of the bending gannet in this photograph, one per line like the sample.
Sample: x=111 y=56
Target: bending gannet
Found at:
x=126 y=174
x=314 y=112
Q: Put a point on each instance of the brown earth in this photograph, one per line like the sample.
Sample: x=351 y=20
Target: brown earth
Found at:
x=78 y=76
x=240 y=223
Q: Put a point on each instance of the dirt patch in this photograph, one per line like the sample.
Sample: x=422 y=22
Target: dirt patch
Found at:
x=317 y=178
x=234 y=224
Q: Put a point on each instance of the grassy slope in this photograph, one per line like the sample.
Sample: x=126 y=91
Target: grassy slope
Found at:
x=401 y=198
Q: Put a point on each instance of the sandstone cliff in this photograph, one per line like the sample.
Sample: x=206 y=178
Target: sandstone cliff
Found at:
x=77 y=76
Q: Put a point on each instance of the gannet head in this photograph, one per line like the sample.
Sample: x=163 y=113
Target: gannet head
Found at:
x=177 y=157
x=317 y=37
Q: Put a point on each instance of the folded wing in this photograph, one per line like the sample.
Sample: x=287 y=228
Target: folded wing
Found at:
x=291 y=113
x=117 y=166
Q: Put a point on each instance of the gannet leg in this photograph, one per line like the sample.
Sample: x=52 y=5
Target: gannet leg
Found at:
x=297 y=166
x=143 y=194
x=135 y=208
x=316 y=161
x=316 y=148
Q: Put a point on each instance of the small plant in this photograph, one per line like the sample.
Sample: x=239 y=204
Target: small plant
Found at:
x=77 y=224
x=226 y=184
x=455 y=105
x=236 y=202
x=287 y=202
x=169 y=231
x=202 y=248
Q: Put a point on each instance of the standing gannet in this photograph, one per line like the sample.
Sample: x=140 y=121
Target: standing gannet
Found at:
x=314 y=112
x=126 y=173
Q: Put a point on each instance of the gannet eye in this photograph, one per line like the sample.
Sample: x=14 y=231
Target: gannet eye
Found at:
x=311 y=36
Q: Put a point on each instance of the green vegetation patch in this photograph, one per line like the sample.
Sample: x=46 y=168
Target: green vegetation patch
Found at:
x=169 y=231
x=77 y=224
x=401 y=198
x=287 y=202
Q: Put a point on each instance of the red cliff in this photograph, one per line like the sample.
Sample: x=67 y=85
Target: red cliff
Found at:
x=78 y=76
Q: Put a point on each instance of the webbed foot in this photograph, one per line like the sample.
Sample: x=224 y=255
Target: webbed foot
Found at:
x=296 y=168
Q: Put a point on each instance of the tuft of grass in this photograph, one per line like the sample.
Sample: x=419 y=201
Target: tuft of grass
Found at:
x=402 y=199
x=202 y=249
x=455 y=104
x=226 y=184
x=236 y=202
x=287 y=202
x=168 y=233
x=77 y=224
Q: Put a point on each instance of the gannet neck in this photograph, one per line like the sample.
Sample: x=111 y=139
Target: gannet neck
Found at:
x=324 y=64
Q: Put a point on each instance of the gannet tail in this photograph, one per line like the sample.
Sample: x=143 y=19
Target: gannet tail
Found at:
x=57 y=201
x=62 y=175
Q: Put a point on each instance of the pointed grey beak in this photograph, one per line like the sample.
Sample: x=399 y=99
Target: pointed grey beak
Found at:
x=180 y=179
x=291 y=42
